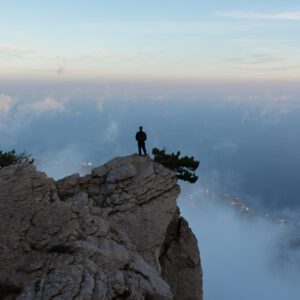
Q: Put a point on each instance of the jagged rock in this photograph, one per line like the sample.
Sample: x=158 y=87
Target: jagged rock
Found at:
x=113 y=234
x=180 y=261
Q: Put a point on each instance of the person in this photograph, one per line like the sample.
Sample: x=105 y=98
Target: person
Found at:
x=141 y=137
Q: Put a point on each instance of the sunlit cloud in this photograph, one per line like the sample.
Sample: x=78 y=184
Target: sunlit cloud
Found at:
x=48 y=104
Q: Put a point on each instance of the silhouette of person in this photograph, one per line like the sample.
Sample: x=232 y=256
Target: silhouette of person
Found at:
x=141 y=137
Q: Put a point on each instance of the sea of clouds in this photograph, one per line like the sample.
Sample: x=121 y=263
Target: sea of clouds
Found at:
x=243 y=257
x=246 y=139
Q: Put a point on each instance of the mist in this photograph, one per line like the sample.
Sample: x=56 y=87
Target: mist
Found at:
x=243 y=257
x=247 y=141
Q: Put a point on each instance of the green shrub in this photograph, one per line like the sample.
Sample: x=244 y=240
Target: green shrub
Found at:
x=11 y=158
x=185 y=167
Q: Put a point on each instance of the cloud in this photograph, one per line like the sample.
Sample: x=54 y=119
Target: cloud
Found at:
x=245 y=250
x=286 y=16
x=271 y=107
x=102 y=96
x=264 y=98
x=11 y=50
x=273 y=113
x=48 y=104
x=16 y=114
x=262 y=58
x=100 y=103
x=5 y=104
x=111 y=133
x=237 y=98
x=62 y=162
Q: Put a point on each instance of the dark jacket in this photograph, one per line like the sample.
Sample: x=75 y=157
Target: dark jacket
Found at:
x=141 y=137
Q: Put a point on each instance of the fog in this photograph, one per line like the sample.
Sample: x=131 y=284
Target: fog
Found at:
x=242 y=257
x=246 y=138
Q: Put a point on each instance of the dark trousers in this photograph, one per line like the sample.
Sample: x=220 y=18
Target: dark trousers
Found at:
x=142 y=147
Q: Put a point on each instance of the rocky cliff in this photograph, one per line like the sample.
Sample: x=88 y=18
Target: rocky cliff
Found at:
x=113 y=234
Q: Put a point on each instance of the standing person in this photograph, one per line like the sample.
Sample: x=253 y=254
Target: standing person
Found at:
x=141 y=137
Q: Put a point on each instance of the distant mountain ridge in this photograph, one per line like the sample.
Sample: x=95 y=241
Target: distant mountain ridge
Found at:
x=113 y=234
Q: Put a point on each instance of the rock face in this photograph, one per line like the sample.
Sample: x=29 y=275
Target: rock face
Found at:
x=113 y=234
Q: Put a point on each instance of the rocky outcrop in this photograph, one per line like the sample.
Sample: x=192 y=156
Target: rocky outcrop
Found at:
x=113 y=234
x=180 y=261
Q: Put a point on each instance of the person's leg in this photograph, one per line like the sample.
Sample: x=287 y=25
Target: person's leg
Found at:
x=140 y=149
x=144 y=149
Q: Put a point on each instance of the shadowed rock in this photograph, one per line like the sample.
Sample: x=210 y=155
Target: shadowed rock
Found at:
x=107 y=235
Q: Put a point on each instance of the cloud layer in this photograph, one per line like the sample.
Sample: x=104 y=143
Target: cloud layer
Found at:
x=236 y=131
x=242 y=257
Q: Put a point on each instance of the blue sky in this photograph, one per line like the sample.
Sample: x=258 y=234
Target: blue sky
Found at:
x=157 y=39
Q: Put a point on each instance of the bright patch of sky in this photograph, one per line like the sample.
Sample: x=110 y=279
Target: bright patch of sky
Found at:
x=117 y=39
x=138 y=39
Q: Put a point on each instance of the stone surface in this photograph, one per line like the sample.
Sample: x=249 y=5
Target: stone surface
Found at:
x=180 y=261
x=113 y=234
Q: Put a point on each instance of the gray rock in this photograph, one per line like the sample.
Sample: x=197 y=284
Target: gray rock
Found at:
x=121 y=173
x=107 y=235
x=180 y=261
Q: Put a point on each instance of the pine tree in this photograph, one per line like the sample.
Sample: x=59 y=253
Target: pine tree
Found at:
x=185 y=166
x=12 y=158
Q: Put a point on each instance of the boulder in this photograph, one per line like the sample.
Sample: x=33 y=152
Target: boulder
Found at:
x=113 y=234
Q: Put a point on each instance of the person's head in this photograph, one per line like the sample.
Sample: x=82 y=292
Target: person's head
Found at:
x=141 y=128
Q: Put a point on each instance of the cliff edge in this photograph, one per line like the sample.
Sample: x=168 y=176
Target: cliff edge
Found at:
x=113 y=234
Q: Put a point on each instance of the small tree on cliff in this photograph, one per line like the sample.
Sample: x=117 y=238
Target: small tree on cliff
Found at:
x=185 y=166
x=12 y=158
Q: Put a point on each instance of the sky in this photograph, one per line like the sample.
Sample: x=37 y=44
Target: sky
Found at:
x=218 y=80
x=158 y=39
